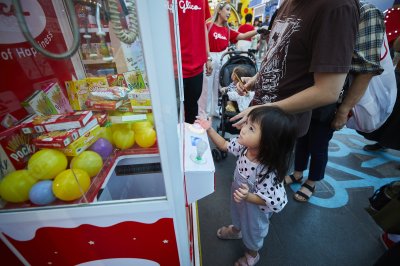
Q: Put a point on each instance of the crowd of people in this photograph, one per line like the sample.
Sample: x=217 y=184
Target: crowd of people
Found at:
x=314 y=51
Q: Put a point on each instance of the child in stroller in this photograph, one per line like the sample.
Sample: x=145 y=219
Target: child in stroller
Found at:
x=237 y=103
x=240 y=64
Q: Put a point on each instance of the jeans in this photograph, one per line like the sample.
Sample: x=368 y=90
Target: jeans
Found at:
x=313 y=145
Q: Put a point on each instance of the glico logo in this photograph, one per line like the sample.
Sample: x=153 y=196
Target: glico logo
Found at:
x=10 y=32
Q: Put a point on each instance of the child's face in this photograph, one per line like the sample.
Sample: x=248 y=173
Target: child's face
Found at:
x=250 y=135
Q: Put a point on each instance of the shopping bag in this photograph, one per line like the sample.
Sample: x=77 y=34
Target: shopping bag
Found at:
x=378 y=101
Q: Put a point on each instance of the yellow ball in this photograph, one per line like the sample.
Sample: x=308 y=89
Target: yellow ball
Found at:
x=139 y=125
x=123 y=139
x=47 y=163
x=150 y=118
x=71 y=184
x=89 y=161
x=106 y=133
x=16 y=185
x=146 y=137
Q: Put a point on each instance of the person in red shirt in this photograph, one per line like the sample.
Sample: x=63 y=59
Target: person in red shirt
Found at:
x=244 y=45
x=194 y=52
x=219 y=37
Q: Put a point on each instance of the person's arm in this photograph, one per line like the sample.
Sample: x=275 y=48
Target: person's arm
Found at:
x=209 y=68
x=243 y=36
x=243 y=193
x=356 y=90
x=326 y=90
x=365 y=64
x=219 y=141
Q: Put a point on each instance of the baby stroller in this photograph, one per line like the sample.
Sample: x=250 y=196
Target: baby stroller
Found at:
x=234 y=59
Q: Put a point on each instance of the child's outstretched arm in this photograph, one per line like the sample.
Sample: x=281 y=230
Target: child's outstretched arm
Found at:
x=219 y=141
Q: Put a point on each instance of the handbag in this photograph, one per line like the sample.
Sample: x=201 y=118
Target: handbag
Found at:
x=385 y=207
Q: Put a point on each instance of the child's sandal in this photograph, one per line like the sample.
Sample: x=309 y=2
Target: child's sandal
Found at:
x=226 y=232
x=247 y=260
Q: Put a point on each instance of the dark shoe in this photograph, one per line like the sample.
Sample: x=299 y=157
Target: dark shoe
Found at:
x=374 y=147
x=302 y=197
x=292 y=180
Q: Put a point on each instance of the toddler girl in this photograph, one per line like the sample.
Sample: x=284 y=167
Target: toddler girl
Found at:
x=263 y=149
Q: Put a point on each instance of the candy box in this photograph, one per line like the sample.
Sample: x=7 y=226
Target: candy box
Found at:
x=116 y=80
x=57 y=97
x=15 y=150
x=135 y=80
x=38 y=103
x=41 y=124
x=62 y=138
x=77 y=93
x=140 y=100
x=82 y=143
x=103 y=104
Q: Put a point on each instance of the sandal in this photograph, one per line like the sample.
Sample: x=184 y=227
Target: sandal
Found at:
x=247 y=260
x=302 y=194
x=292 y=180
x=226 y=232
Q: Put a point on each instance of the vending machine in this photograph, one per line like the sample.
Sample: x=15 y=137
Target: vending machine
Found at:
x=97 y=166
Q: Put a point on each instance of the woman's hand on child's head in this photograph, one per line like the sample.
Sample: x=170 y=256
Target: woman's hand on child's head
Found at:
x=241 y=193
x=241 y=117
x=204 y=123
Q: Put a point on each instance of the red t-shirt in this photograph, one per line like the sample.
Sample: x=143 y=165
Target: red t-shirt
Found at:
x=192 y=16
x=246 y=28
x=218 y=37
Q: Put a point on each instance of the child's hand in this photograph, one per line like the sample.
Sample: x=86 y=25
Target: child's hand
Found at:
x=204 y=123
x=241 y=193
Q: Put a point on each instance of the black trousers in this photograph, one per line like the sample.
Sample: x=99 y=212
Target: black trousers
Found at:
x=192 y=88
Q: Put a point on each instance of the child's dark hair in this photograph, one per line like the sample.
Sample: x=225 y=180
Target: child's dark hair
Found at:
x=278 y=136
x=242 y=71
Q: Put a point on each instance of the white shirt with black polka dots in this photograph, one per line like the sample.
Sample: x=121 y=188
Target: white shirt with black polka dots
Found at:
x=269 y=190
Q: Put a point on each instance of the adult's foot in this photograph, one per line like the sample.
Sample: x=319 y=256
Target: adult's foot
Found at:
x=305 y=192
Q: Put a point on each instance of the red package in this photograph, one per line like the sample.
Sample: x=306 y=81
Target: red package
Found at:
x=49 y=123
x=15 y=150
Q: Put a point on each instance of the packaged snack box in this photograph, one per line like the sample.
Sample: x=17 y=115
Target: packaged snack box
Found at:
x=103 y=104
x=116 y=80
x=78 y=90
x=82 y=143
x=135 y=81
x=38 y=103
x=62 y=138
x=15 y=150
x=41 y=124
x=77 y=93
x=57 y=97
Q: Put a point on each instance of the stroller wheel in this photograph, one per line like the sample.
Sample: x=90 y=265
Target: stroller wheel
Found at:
x=216 y=154
x=224 y=154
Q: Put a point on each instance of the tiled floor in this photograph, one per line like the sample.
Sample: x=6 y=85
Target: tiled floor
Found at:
x=332 y=229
